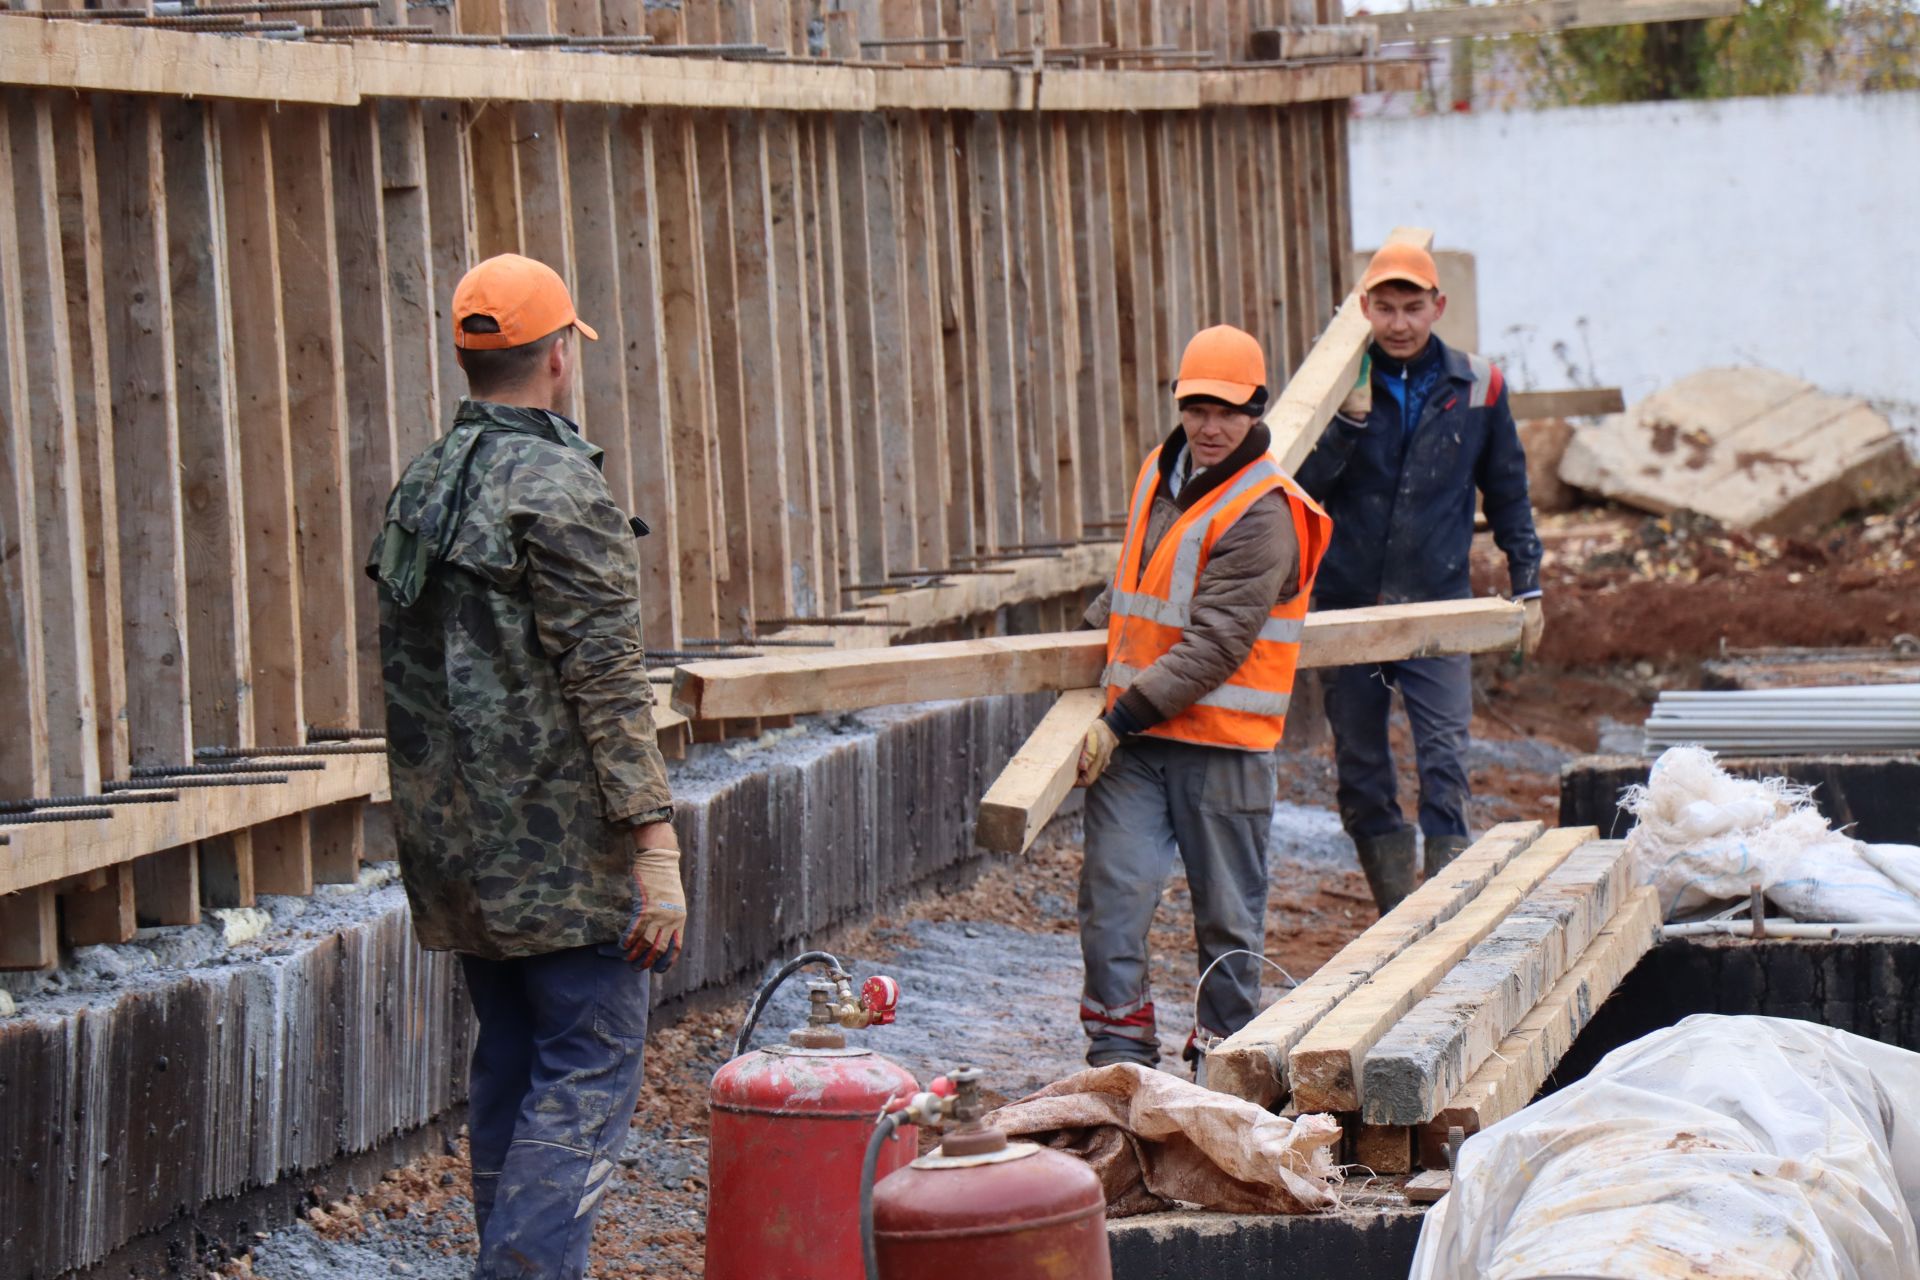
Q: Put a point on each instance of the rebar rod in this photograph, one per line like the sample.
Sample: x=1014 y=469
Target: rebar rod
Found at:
x=159 y=771
x=237 y=780
x=75 y=802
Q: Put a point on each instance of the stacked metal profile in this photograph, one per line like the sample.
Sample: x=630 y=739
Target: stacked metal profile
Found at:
x=1763 y=722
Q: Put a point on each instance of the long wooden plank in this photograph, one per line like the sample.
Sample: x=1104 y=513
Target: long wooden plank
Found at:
x=1511 y=1076
x=800 y=684
x=1324 y=1069
x=1573 y=403
x=45 y=852
x=1252 y=1062
x=37 y=277
x=114 y=58
x=1323 y=379
x=1431 y=1052
x=1535 y=16
x=1037 y=779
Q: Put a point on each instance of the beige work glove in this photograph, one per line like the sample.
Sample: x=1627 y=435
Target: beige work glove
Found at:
x=1359 y=401
x=1533 y=628
x=659 y=903
x=1095 y=753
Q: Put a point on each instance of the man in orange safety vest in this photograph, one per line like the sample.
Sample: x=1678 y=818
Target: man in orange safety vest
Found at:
x=1203 y=620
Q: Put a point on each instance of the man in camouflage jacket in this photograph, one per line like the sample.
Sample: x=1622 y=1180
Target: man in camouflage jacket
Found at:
x=531 y=805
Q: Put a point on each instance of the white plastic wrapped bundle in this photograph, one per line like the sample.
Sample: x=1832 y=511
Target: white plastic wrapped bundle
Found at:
x=1705 y=838
x=1725 y=1147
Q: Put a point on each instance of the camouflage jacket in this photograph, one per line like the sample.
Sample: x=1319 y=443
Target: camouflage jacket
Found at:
x=519 y=718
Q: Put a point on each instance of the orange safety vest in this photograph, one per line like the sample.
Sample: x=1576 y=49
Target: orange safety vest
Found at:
x=1151 y=607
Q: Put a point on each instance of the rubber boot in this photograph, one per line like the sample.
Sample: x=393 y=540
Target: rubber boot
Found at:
x=1389 y=862
x=1444 y=849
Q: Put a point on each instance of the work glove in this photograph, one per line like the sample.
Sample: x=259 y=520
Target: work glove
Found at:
x=1095 y=753
x=652 y=939
x=1359 y=401
x=1533 y=628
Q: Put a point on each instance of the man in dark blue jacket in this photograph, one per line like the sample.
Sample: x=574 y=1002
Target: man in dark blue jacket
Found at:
x=1423 y=430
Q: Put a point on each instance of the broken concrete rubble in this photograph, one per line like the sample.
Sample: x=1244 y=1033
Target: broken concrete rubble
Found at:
x=1753 y=448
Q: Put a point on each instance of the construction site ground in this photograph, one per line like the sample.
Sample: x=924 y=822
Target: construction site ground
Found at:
x=991 y=970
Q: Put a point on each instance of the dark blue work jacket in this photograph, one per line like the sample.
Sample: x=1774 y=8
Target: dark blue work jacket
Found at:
x=1402 y=500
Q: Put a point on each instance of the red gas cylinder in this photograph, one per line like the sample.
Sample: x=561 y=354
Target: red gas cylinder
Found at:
x=789 y=1128
x=981 y=1206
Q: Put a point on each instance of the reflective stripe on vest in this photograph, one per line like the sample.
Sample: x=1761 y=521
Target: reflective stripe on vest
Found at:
x=1232 y=697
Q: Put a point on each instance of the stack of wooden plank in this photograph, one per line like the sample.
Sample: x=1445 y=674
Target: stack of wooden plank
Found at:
x=1453 y=1009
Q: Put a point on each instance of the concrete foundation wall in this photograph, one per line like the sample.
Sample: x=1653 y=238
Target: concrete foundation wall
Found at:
x=153 y=1079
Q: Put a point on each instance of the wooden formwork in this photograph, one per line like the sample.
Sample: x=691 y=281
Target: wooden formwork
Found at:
x=879 y=342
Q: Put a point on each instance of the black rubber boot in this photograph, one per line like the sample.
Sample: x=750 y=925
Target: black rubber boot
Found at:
x=1389 y=862
x=1444 y=849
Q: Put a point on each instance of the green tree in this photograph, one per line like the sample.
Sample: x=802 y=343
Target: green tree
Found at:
x=1763 y=50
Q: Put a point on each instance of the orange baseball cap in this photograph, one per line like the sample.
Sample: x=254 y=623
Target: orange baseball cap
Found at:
x=1401 y=262
x=1223 y=362
x=527 y=299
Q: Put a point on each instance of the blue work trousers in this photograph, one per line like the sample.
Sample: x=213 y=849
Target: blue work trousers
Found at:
x=1438 y=693
x=556 y=1076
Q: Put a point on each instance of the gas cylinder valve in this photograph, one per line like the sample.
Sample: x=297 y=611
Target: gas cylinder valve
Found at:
x=876 y=1005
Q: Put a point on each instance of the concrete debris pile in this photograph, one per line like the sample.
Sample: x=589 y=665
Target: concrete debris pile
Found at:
x=1451 y=1011
x=1754 y=449
x=1721 y=1147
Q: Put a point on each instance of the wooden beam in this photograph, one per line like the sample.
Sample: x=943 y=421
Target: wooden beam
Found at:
x=1575 y=403
x=1324 y=1069
x=802 y=684
x=1511 y=1076
x=101 y=915
x=1030 y=789
x=1534 y=17
x=1323 y=379
x=1251 y=1063
x=29 y=938
x=1432 y=1051
x=123 y=59
x=44 y=852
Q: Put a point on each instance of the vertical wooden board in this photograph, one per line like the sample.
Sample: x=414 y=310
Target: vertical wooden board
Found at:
x=763 y=406
x=927 y=408
x=1216 y=177
x=1273 y=235
x=217 y=617
x=954 y=316
x=317 y=410
x=869 y=533
x=80 y=249
x=146 y=432
x=687 y=358
x=1096 y=387
x=226 y=870
x=824 y=346
x=496 y=180
x=794 y=332
x=1311 y=119
x=602 y=399
x=546 y=208
x=414 y=337
x=1026 y=286
x=1339 y=193
x=1300 y=322
x=893 y=353
x=283 y=857
x=29 y=937
x=733 y=548
x=24 y=768
x=1244 y=268
x=1150 y=405
x=836 y=428
x=93 y=916
x=992 y=254
x=166 y=887
x=650 y=422
x=339 y=842
x=366 y=361
x=1063 y=302
x=252 y=251
x=452 y=232
x=39 y=274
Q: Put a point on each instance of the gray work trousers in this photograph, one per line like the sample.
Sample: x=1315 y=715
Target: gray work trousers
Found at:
x=1213 y=806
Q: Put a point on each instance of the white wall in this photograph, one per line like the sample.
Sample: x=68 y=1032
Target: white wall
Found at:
x=1639 y=243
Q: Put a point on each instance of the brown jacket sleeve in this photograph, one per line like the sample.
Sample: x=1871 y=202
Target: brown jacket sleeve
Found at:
x=1254 y=565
